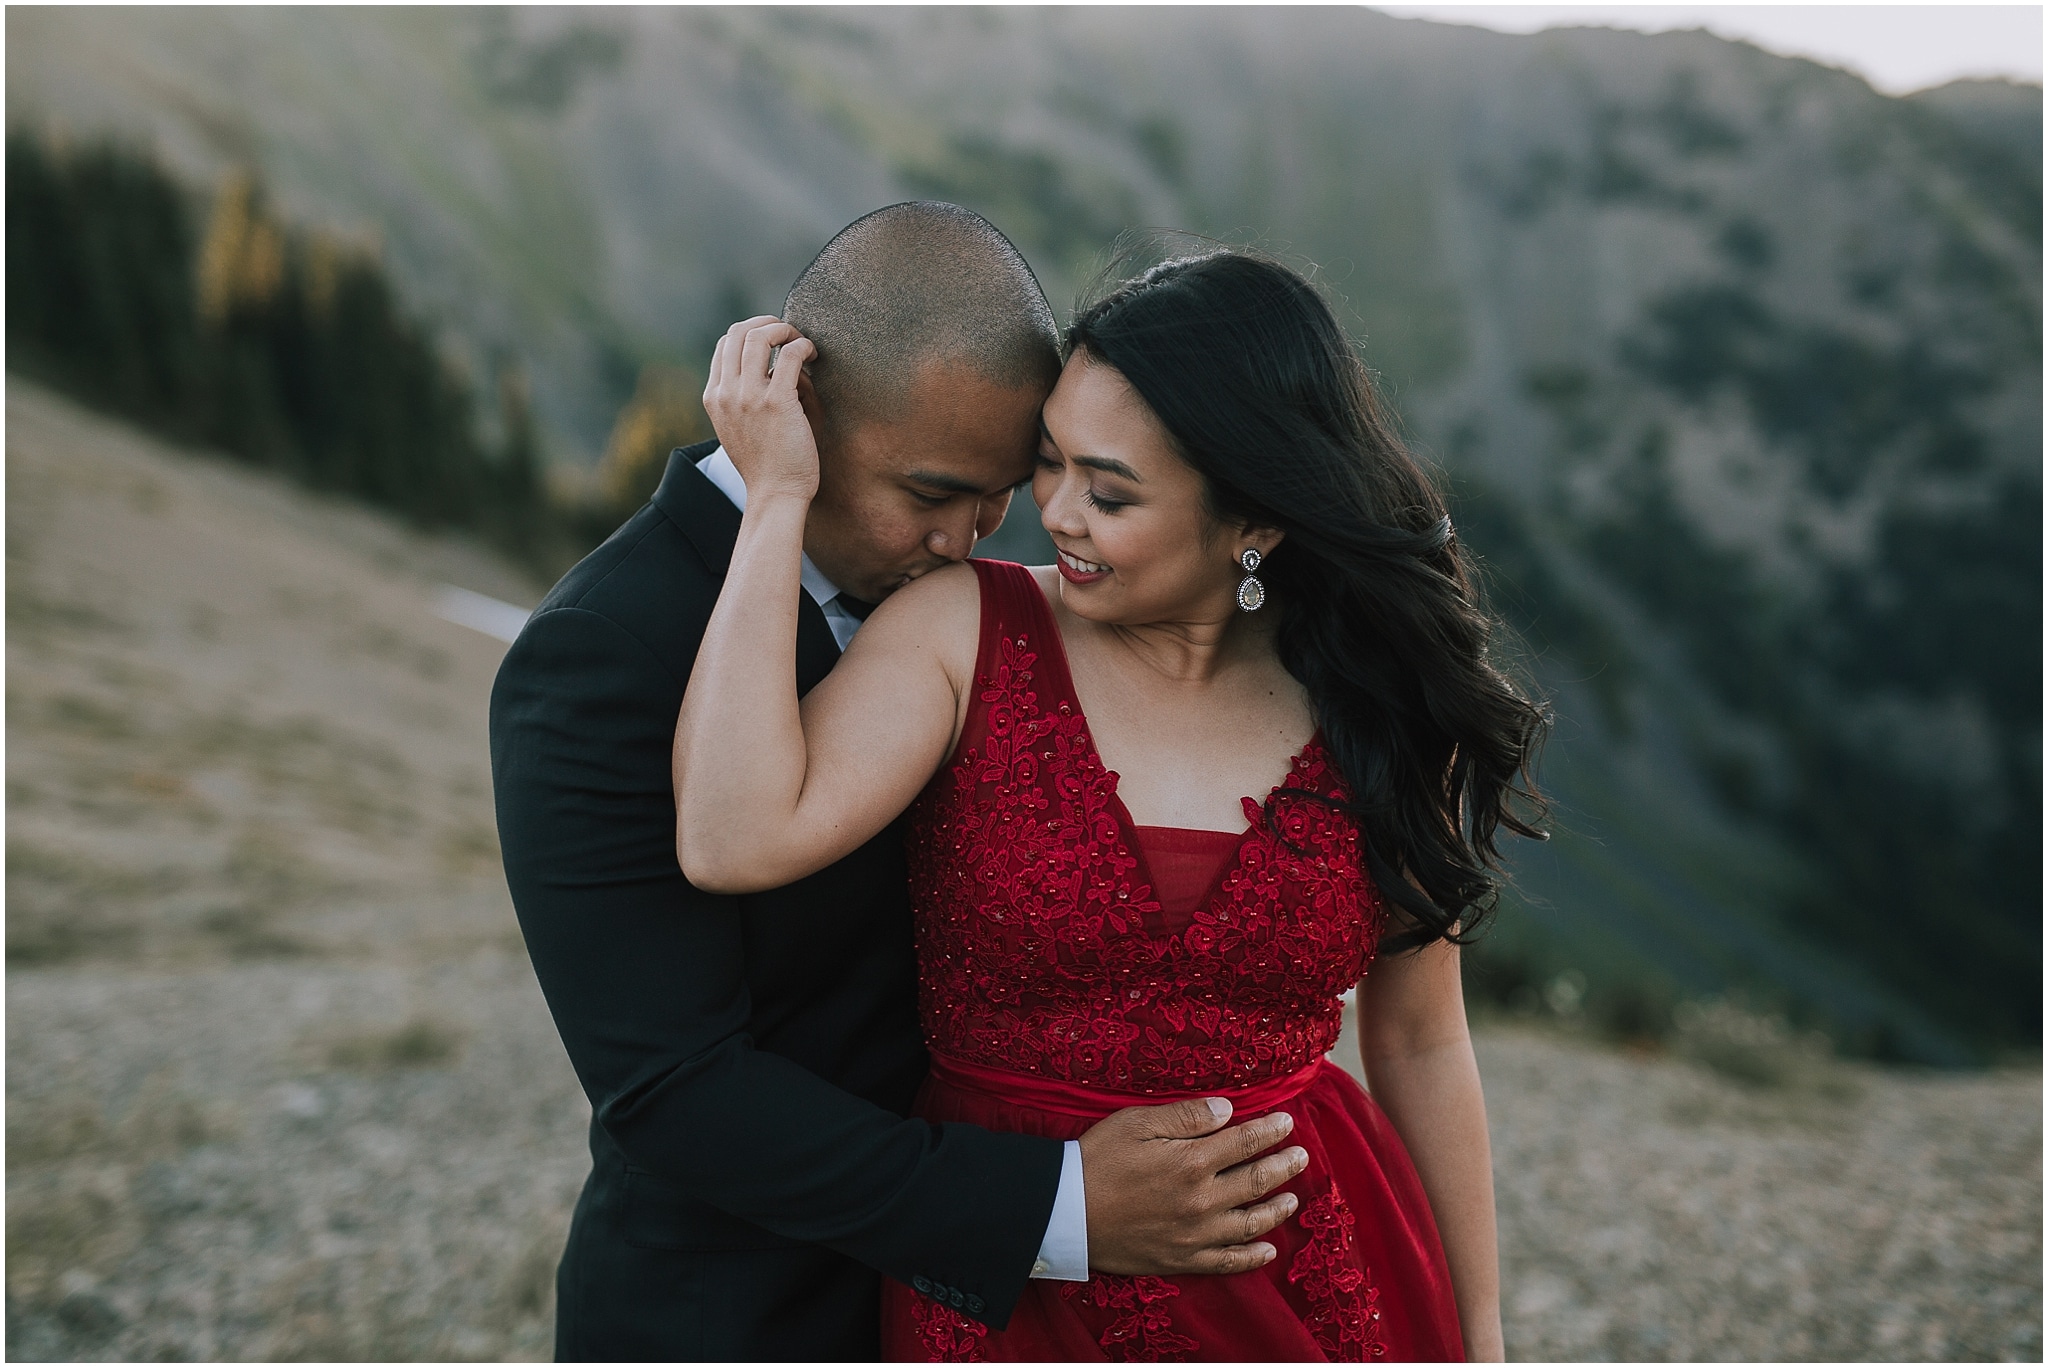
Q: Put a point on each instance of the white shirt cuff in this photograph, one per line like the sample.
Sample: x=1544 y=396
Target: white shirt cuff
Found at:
x=1063 y=1257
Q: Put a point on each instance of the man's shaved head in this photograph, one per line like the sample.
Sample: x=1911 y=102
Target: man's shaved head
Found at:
x=911 y=285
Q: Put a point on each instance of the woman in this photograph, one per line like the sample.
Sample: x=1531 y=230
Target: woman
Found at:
x=1257 y=593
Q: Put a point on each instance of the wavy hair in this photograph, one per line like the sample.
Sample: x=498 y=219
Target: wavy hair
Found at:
x=1378 y=615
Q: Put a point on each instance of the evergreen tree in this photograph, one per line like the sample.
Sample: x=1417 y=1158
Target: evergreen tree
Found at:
x=285 y=348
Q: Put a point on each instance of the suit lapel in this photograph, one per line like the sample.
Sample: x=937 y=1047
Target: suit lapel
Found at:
x=695 y=505
x=712 y=524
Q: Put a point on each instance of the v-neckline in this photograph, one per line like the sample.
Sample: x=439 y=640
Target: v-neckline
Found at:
x=1057 y=657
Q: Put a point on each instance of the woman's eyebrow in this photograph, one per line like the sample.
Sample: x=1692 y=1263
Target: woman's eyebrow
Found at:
x=1113 y=467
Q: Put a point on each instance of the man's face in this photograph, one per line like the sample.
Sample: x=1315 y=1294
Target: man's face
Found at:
x=901 y=495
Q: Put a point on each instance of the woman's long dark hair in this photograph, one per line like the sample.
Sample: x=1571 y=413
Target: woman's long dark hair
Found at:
x=1377 y=616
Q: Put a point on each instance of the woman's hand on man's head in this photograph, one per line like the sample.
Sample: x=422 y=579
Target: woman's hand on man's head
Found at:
x=753 y=402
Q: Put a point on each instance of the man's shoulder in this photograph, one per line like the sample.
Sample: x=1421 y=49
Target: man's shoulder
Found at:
x=646 y=552
x=678 y=541
x=646 y=583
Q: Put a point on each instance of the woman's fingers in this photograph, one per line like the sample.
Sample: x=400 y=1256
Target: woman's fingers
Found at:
x=789 y=364
x=713 y=371
x=758 y=349
x=725 y=357
x=735 y=339
x=744 y=365
x=755 y=407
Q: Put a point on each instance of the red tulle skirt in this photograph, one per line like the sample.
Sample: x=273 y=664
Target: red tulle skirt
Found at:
x=1360 y=1274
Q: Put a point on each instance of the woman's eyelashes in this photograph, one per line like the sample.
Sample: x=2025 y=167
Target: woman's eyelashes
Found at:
x=1101 y=502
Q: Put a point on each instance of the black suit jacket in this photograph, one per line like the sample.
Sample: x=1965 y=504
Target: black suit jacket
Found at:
x=748 y=1059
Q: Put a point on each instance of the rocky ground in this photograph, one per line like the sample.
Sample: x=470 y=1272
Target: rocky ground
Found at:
x=1652 y=1210
x=280 y=1084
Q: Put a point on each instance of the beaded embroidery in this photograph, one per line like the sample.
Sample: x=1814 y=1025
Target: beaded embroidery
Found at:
x=1042 y=950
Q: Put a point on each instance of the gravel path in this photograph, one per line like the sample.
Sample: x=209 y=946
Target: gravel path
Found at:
x=280 y=1084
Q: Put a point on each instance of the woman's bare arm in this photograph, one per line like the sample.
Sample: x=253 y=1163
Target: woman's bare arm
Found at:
x=1418 y=1062
x=768 y=790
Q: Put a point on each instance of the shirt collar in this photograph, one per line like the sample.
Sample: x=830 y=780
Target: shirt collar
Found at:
x=719 y=469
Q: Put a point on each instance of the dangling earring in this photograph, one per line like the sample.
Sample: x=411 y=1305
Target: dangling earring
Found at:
x=1251 y=594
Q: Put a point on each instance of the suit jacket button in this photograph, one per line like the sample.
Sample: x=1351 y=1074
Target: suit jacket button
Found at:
x=922 y=1284
x=974 y=1305
x=957 y=1297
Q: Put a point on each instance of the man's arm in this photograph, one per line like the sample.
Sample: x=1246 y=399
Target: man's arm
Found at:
x=645 y=977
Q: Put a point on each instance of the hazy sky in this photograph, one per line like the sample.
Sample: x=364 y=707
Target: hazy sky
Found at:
x=1896 y=48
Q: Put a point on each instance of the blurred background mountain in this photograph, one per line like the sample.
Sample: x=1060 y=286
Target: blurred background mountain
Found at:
x=1733 y=364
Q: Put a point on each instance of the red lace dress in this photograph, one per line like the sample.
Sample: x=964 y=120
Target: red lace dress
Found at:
x=1057 y=986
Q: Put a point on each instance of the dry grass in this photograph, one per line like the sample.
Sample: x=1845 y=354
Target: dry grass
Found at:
x=421 y=1043
x=1654 y=1209
x=280 y=1084
x=72 y=1218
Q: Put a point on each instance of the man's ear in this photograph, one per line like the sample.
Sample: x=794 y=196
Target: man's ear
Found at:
x=807 y=395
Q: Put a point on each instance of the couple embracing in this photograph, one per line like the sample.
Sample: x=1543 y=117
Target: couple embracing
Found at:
x=950 y=949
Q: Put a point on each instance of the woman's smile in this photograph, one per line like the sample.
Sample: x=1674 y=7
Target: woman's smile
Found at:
x=1077 y=571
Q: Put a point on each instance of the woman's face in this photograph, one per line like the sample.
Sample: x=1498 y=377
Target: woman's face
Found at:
x=1136 y=542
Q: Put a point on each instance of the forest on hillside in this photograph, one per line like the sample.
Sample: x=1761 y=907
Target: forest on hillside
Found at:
x=222 y=326
x=1732 y=363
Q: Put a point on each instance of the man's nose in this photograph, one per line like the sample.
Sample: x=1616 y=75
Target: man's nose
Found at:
x=989 y=516
x=955 y=538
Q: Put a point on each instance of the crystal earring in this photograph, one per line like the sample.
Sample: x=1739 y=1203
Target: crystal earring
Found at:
x=1251 y=594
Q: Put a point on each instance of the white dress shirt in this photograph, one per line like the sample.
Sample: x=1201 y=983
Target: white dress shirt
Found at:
x=1063 y=1254
x=719 y=469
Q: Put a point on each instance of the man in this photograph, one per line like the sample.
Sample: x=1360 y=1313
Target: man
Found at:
x=749 y=1059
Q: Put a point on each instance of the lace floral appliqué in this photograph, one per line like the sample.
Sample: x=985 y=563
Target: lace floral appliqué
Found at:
x=1143 y=1332
x=1043 y=950
x=947 y=1336
x=1344 y=1305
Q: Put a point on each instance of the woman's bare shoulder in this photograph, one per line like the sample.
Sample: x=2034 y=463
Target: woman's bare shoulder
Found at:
x=939 y=612
x=948 y=589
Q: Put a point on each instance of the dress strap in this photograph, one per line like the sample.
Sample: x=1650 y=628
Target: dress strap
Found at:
x=1014 y=611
